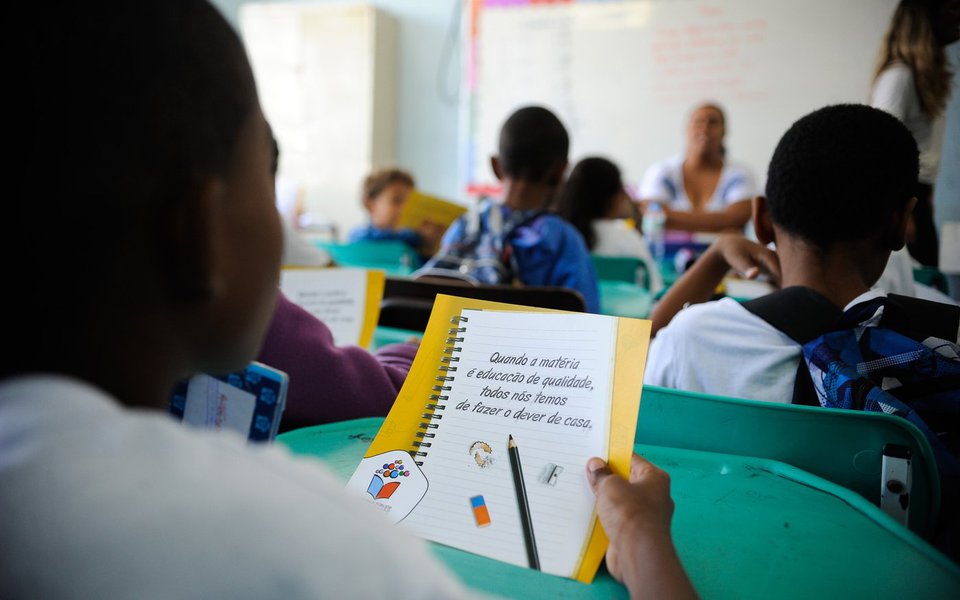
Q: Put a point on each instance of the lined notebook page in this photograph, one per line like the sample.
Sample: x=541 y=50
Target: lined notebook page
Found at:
x=562 y=393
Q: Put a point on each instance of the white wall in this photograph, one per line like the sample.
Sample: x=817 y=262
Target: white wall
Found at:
x=427 y=124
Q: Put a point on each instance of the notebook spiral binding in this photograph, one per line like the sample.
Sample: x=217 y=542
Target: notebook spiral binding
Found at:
x=436 y=404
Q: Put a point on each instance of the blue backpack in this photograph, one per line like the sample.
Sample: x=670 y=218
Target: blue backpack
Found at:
x=484 y=253
x=895 y=355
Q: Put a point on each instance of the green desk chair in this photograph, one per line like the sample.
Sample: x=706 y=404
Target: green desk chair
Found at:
x=621 y=268
x=931 y=276
x=841 y=446
x=396 y=258
x=622 y=299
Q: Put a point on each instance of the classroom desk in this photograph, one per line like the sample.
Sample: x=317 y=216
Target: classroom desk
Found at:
x=744 y=528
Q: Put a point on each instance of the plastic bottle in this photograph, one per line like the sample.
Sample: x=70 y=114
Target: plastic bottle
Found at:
x=654 y=221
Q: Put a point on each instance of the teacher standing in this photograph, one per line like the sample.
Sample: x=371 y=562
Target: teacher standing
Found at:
x=700 y=189
x=912 y=82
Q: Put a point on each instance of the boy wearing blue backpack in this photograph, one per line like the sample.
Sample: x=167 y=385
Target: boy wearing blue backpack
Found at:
x=839 y=190
x=516 y=239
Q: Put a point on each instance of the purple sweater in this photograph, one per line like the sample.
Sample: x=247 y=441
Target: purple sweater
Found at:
x=328 y=383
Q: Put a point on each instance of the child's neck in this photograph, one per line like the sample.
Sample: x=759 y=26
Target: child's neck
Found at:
x=526 y=195
x=837 y=274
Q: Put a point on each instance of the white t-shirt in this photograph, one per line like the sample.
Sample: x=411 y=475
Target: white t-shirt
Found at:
x=616 y=238
x=664 y=182
x=723 y=349
x=897 y=278
x=100 y=501
x=894 y=91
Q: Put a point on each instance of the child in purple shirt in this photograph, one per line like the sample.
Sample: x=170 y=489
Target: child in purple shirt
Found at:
x=328 y=383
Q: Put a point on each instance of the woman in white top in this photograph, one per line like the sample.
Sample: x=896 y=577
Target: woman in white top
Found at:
x=912 y=83
x=701 y=190
x=593 y=200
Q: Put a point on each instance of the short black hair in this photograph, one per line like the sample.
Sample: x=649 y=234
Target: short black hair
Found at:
x=839 y=173
x=588 y=194
x=125 y=105
x=533 y=141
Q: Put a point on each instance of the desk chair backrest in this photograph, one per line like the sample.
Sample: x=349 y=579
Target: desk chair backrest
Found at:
x=932 y=277
x=621 y=268
x=838 y=445
x=407 y=302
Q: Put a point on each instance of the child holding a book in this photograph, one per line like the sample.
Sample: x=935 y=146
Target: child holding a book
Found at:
x=384 y=194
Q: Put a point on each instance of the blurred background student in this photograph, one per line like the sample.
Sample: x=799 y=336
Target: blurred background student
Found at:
x=384 y=194
x=701 y=190
x=912 y=82
x=594 y=201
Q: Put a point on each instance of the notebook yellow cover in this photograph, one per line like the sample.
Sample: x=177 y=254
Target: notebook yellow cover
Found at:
x=421 y=207
x=623 y=342
x=347 y=301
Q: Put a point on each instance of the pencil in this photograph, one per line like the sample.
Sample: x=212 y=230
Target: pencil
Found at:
x=524 y=505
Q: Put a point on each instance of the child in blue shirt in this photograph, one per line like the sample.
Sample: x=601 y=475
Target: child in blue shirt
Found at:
x=384 y=194
x=538 y=248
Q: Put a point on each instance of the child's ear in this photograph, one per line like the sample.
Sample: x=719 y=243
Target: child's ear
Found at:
x=762 y=224
x=896 y=235
x=196 y=260
x=497 y=170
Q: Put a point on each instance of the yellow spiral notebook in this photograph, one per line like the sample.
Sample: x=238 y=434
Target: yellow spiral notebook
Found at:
x=563 y=386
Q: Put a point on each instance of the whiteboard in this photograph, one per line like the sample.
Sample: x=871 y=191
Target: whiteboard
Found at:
x=623 y=75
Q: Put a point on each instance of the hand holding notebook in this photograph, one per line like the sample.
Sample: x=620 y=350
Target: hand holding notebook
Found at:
x=565 y=386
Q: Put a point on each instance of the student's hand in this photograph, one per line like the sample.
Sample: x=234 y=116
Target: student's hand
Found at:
x=640 y=508
x=747 y=258
x=430 y=233
x=636 y=516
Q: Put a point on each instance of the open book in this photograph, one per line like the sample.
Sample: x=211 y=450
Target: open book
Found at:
x=347 y=301
x=563 y=386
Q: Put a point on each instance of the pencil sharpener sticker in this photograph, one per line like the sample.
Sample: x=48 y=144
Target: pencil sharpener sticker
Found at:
x=482 y=454
x=391 y=481
x=480 y=512
x=551 y=473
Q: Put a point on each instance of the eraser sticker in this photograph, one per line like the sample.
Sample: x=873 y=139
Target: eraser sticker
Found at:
x=480 y=512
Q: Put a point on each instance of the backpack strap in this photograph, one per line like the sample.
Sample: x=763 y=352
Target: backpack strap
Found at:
x=799 y=312
x=919 y=319
x=507 y=256
x=803 y=315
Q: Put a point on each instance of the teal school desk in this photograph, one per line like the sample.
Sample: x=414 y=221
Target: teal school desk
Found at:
x=744 y=528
